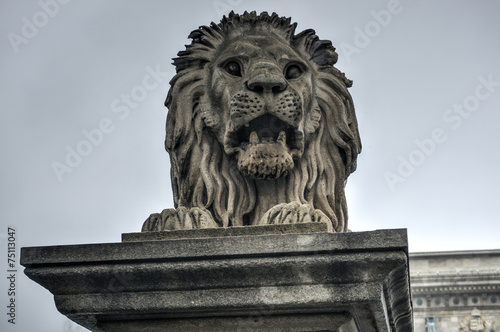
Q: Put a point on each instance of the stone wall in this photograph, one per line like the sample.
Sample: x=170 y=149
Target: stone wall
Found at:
x=448 y=286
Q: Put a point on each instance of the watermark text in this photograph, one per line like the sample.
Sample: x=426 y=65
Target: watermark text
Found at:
x=31 y=26
x=454 y=117
x=122 y=106
x=11 y=275
x=363 y=36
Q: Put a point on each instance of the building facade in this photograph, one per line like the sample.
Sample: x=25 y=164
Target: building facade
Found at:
x=456 y=291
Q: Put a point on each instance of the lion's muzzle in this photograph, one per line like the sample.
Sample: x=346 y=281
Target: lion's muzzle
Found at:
x=264 y=122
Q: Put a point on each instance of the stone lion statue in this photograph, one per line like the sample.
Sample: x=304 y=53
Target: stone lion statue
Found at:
x=260 y=129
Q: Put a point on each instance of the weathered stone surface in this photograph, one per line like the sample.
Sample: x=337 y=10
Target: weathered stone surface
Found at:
x=261 y=128
x=476 y=322
x=278 y=282
x=309 y=227
x=260 y=321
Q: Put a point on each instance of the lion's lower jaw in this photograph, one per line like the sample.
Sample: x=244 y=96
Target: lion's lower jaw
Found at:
x=265 y=161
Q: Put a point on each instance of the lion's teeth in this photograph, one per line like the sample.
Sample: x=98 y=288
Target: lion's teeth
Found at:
x=282 y=138
x=254 y=138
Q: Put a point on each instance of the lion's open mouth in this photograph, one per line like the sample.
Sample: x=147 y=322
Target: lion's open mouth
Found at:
x=265 y=129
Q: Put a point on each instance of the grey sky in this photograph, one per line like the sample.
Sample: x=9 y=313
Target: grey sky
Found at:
x=428 y=72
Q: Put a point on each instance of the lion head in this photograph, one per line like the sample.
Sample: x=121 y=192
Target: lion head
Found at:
x=259 y=116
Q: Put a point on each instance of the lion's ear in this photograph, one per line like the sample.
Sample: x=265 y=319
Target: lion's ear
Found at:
x=323 y=53
x=320 y=51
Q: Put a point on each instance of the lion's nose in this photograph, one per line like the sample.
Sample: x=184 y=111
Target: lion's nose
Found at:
x=267 y=81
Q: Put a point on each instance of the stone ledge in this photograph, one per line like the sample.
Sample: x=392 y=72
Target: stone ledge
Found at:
x=261 y=321
x=344 y=281
x=283 y=244
x=226 y=231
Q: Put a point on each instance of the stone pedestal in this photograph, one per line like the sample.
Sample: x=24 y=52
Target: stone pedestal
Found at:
x=269 y=278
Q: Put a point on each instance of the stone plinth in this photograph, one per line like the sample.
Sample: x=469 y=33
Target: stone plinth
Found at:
x=235 y=282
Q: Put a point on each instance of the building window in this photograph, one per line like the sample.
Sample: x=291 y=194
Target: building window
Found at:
x=430 y=324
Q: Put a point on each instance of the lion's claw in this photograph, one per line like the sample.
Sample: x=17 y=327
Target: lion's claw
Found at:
x=177 y=219
x=292 y=213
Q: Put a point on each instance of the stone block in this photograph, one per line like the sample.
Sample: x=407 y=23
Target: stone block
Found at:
x=315 y=281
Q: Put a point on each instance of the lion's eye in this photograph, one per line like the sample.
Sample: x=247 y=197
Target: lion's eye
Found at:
x=293 y=71
x=233 y=68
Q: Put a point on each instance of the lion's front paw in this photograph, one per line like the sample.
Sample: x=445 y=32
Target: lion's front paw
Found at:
x=177 y=219
x=292 y=213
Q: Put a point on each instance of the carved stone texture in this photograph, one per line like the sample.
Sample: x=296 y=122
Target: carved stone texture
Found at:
x=476 y=322
x=339 y=282
x=260 y=129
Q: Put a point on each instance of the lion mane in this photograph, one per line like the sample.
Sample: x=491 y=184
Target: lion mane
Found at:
x=204 y=175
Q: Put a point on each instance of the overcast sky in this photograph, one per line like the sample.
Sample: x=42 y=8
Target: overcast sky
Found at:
x=426 y=91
